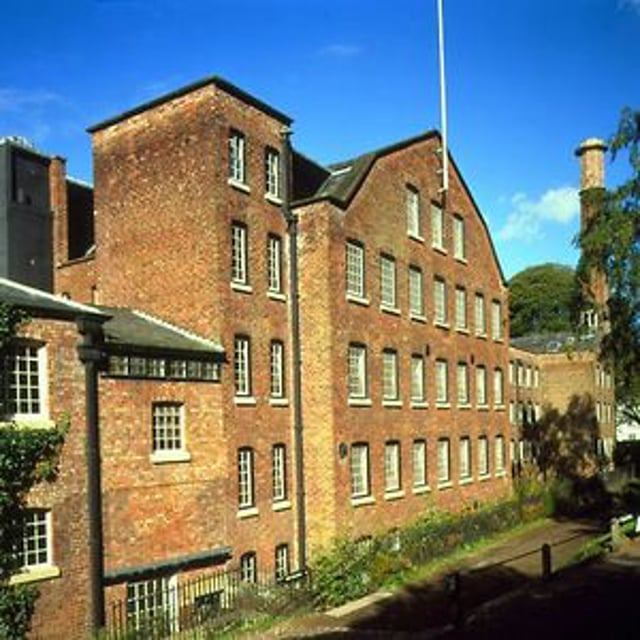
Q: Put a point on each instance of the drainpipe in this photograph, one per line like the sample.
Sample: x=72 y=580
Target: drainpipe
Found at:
x=91 y=355
x=292 y=229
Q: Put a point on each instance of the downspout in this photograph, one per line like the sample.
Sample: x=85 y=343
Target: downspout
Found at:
x=91 y=355
x=292 y=229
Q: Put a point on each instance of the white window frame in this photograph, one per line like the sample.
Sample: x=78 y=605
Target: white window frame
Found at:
x=359 y=468
x=465 y=458
x=414 y=221
x=480 y=315
x=237 y=157
x=249 y=567
x=444 y=461
x=274 y=262
x=272 y=173
x=440 y=315
x=417 y=378
x=437 y=227
x=279 y=472
x=357 y=371
x=462 y=322
x=354 y=270
x=496 y=321
x=276 y=366
x=483 y=456
x=168 y=432
x=481 y=386
x=499 y=453
x=388 y=293
x=24 y=361
x=416 y=292
x=246 y=478
x=36 y=551
x=161 y=594
x=392 y=468
x=281 y=566
x=459 y=238
x=498 y=387
x=462 y=379
x=242 y=365
x=442 y=382
x=239 y=254
x=390 y=390
x=419 y=456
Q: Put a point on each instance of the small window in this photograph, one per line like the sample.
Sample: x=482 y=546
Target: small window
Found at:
x=279 y=472
x=355 y=269
x=437 y=227
x=388 y=282
x=246 y=478
x=465 y=458
x=416 y=298
x=242 y=365
x=36 y=540
x=483 y=456
x=463 y=383
x=496 y=320
x=272 y=172
x=459 y=240
x=444 y=461
x=239 y=265
x=440 y=300
x=357 y=371
x=168 y=427
x=282 y=562
x=414 y=226
x=498 y=388
x=417 y=378
x=392 y=481
x=442 y=381
x=277 y=369
x=249 y=567
x=237 y=165
x=461 y=308
x=150 y=600
x=499 y=453
x=481 y=320
x=419 y=464
x=25 y=388
x=389 y=375
x=360 y=484
x=481 y=386
x=274 y=263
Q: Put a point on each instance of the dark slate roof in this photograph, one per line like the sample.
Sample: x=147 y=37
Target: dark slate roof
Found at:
x=555 y=342
x=42 y=304
x=216 y=81
x=132 y=328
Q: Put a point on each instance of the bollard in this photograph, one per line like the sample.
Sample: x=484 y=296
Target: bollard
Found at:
x=546 y=561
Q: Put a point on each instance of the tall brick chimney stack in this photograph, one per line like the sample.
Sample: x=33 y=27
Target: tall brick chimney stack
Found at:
x=591 y=153
x=60 y=208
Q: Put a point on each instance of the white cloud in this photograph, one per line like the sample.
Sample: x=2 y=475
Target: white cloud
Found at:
x=341 y=50
x=16 y=99
x=631 y=4
x=527 y=217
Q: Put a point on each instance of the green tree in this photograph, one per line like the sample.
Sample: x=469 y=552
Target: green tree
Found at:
x=540 y=299
x=610 y=243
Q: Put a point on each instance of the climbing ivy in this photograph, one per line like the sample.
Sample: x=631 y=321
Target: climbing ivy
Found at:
x=27 y=456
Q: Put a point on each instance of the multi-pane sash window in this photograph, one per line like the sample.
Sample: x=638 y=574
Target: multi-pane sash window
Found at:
x=36 y=540
x=24 y=381
x=279 y=472
x=463 y=383
x=417 y=378
x=392 y=480
x=168 y=427
x=442 y=381
x=242 y=365
x=237 y=166
x=481 y=320
x=496 y=320
x=389 y=375
x=483 y=456
x=277 y=369
x=355 y=269
x=274 y=263
x=150 y=600
x=239 y=264
x=282 y=562
x=357 y=371
x=499 y=454
x=246 y=478
x=512 y=412
x=272 y=172
x=413 y=212
x=461 y=308
x=416 y=298
x=248 y=567
x=360 y=470
x=440 y=300
x=444 y=461
x=512 y=369
x=481 y=385
x=437 y=227
x=388 y=282
x=459 y=248
x=498 y=387
x=465 y=458
x=419 y=463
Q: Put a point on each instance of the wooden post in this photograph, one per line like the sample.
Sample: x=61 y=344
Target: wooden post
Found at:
x=546 y=561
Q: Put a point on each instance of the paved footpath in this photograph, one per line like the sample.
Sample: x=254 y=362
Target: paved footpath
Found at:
x=424 y=609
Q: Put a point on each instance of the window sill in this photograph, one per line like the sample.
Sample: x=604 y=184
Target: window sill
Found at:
x=501 y=474
x=500 y=340
x=445 y=485
x=482 y=407
x=465 y=481
x=498 y=407
x=276 y=295
x=464 y=406
x=241 y=287
x=360 y=402
x=394 y=495
x=392 y=404
x=279 y=402
x=484 y=477
x=460 y=259
x=481 y=336
x=463 y=330
x=417 y=491
x=244 y=401
x=273 y=199
x=415 y=236
x=441 y=324
x=281 y=505
x=240 y=186
x=419 y=404
x=394 y=311
x=443 y=405
x=357 y=300
x=249 y=512
x=418 y=317
x=35 y=574
x=362 y=500
x=167 y=457
x=439 y=249
x=28 y=422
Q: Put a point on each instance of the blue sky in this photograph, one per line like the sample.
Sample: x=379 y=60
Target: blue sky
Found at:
x=527 y=81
